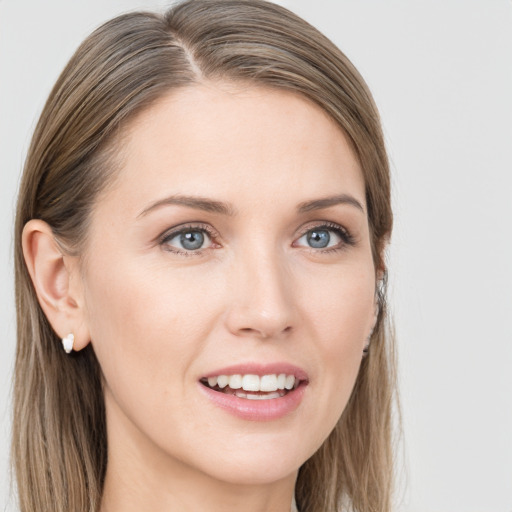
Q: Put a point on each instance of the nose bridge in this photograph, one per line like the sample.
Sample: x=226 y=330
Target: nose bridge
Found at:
x=262 y=300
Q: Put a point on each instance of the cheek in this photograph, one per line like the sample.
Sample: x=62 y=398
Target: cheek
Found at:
x=340 y=318
x=140 y=319
x=133 y=300
x=341 y=307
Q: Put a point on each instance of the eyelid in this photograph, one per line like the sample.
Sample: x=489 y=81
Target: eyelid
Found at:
x=322 y=224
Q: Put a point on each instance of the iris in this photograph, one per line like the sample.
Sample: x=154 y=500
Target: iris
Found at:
x=318 y=238
x=192 y=240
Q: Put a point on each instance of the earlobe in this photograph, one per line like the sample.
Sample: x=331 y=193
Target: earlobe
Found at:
x=51 y=272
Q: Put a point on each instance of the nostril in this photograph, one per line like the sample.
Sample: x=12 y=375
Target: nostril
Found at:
x=250 y=330
x=265 y=333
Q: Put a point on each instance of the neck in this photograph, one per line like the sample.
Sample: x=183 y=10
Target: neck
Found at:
x=189 y=495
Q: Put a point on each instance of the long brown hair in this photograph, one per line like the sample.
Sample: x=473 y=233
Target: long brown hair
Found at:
x=59 y=445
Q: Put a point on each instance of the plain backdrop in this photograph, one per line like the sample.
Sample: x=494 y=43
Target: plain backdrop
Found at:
x=441 y=73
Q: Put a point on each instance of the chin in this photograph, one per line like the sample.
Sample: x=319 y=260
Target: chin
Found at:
x=264 y=464
x=264 y=473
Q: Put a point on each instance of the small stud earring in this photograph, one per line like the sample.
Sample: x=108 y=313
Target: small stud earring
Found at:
x=366 y=348
x=67 y=342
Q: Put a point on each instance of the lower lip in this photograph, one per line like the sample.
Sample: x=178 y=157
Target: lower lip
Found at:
x=257 y=410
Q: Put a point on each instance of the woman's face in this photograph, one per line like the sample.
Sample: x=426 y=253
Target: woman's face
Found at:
x=234 y=244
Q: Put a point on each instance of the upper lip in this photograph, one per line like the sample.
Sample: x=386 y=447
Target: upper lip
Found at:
x=252 y=368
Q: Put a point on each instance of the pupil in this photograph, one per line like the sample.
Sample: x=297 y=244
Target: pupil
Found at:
x=192 y=240
x=319 y=239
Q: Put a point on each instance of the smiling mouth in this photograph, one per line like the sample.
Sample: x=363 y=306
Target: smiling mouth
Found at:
x=253 y=387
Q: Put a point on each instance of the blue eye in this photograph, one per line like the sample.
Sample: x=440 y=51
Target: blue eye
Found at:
x=326 y=237
x=187 y=240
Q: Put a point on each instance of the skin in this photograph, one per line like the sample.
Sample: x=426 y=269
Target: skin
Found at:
x=159 y=320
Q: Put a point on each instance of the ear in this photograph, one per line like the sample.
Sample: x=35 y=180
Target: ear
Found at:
x=380 y=285
x=56 y=279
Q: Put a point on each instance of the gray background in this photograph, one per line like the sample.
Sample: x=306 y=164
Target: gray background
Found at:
x=441 y=73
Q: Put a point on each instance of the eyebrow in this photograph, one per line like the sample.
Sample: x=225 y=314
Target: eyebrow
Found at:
x=196 y=202
x=213 y=206
x=327 y=202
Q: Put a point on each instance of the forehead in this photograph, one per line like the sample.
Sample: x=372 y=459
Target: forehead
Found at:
x=244 y=141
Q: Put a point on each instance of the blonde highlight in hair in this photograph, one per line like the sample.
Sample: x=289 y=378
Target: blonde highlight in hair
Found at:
x=59 y=445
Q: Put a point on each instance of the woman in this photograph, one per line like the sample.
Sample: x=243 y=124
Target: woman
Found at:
x=200 y=273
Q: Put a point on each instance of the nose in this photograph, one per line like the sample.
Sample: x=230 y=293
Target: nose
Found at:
x=262 y=299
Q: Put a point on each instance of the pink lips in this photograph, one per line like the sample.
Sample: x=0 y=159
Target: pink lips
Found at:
x=258 y=410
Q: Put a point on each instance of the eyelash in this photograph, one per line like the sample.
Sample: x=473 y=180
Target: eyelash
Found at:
x=163 y=240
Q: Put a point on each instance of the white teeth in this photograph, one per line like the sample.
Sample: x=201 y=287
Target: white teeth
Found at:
x=222 y=381
x=235 y=381
x=290 y=381
x=251 y=383
x=268 y=396
x=266 y=383
x=252 y=396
